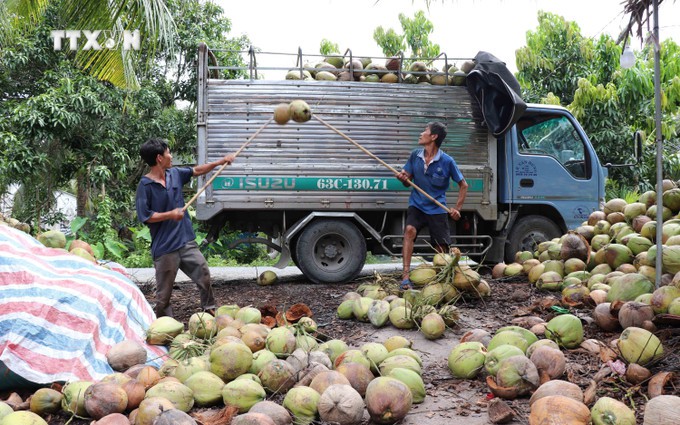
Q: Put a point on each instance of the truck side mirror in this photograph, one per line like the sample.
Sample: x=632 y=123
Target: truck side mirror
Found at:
x=638 y=136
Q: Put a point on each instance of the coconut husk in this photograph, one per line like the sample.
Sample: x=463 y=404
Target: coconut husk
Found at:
x=658 y=382
x=281 y=319
x=14 y=401
x=298 y=311
x=268 y=310
x=500 y=412
x=269 y=321
x=667 y=319
x=507 y=393
x=216 y=417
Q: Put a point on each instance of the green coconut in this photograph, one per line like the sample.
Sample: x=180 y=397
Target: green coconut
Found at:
x=529 y=336
x=628 y=287
x=277 y=376
x=360 y=308
x=671 y=199
x=333 y=348
x=206 y=388
x=433 y=294
x=601 y=228
x=302 y=402
x=493 y=357
x=433 y=326
x=281 y=341
x=617 y=254
x=162 y=330
x=231 y=360
x=378 y=313
x=608 y=411
x=22 y=417
x=421 y=276
x=638 y=345
x=549 y=281
x=402 y=361
x=450 y=314
x=405 y=351
x=518 y=373
x=53 y=239
x=413 y=381
x=401 y=318
x=509 y=337
x=388 y=400
x=203 y=325
x=566 y=330
x=346 y=309
x=74 y=397
x=662 y=298
x=467 y=359
x=242 y=394
x=181 y=396
x=599 y=241
x=614 y=205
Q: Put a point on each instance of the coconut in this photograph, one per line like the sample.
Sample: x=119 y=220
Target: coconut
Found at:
x=421 y=276
x=400 y=361
x=412 y=380
x=467 y=359
x=74 y=397
x=662 y=410
x=104 y=398
x=300 y=111
x=609 y=411
x=638 y=345
x=282 y=113
x=596 y=216
x=230 y=360
x=510 y=337
x=346 y=309
x=550 y=361
x=358 y=375
x=186 y=368
x=150 y=408
x=397 y=341
x=174 y=417
x=228 y=309
x=662 y=298
x=513 y=269
x=43 y=402
x=450 y=314
x=206 y=387
x=401 y=318
x=557 y=387
x=617 y=254
x=135 y=392
x=52 y=239
x=378 y=313
x=604 y=318
x=529 y=264
x=614 y=205
x=405 y=352
x=493 y=357
x=341 y=404
x=360 y=308
x=674 y=307
x=126 y=354
x=465 y=278
x=242 y=394
x=535 y=273
x=118 y=419
x=558 y=409
x=388 y=400
x=277 y=376
x=541 y=343
x=22 y=418
x=281 y=341
x=518 y=373
x=574 y=245
x=566 y=330
x=302 y=402
x=355 y=356
x=179 y=394
x=550 y=281
x=252 y=419
x=333 y=348
x=601 y=228
x=375 y=353
x=628 y=287
x=275 y=411
x=433 y=326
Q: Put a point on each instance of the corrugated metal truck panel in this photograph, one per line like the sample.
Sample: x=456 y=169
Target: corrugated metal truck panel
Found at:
x=386 y=119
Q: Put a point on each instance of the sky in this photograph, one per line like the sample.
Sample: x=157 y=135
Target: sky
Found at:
x=461 y=27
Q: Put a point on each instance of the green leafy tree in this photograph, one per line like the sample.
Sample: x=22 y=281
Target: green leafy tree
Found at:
x=558 y=65
x=150 y=17
x=415 y=37
x=327 y=47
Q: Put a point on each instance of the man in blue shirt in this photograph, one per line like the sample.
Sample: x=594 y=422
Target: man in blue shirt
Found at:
x=430 y=169
x=159 y=202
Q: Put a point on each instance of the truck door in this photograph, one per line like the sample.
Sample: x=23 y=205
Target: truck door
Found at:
x=555 y=164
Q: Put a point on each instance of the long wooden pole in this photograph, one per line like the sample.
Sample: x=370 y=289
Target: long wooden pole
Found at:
x=380 y=161
x=205 y=186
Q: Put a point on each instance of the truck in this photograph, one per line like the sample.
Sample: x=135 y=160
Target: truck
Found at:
x=309 y=194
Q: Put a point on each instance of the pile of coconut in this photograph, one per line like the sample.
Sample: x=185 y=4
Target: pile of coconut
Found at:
x=519 y=364
x=6 y=220
x=237 y=366
x=429 y=307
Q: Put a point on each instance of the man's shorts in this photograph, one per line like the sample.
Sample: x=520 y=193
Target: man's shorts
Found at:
x=438 y=224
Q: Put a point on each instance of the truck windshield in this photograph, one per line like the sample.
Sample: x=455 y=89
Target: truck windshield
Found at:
x=554 y=136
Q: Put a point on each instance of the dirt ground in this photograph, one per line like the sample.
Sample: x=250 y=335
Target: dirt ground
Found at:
x=449 y=400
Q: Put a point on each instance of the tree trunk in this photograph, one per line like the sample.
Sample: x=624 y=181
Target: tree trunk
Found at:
x=82 y=195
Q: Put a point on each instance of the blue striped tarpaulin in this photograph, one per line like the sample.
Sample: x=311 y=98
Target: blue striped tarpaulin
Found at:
x=60 y=313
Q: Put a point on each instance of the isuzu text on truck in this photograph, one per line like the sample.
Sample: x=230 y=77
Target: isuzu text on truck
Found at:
x=324 y=203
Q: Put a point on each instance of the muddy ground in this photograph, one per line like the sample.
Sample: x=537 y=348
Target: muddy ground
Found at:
x=449 y=400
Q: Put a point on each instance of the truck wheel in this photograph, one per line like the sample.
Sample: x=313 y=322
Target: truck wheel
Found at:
x=527 y=233
x=330 y=251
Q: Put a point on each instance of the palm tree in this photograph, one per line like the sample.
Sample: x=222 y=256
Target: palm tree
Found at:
x=116 y=65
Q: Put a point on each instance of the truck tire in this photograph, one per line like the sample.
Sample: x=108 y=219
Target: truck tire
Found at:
x=330 y=251
x=527 y=233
